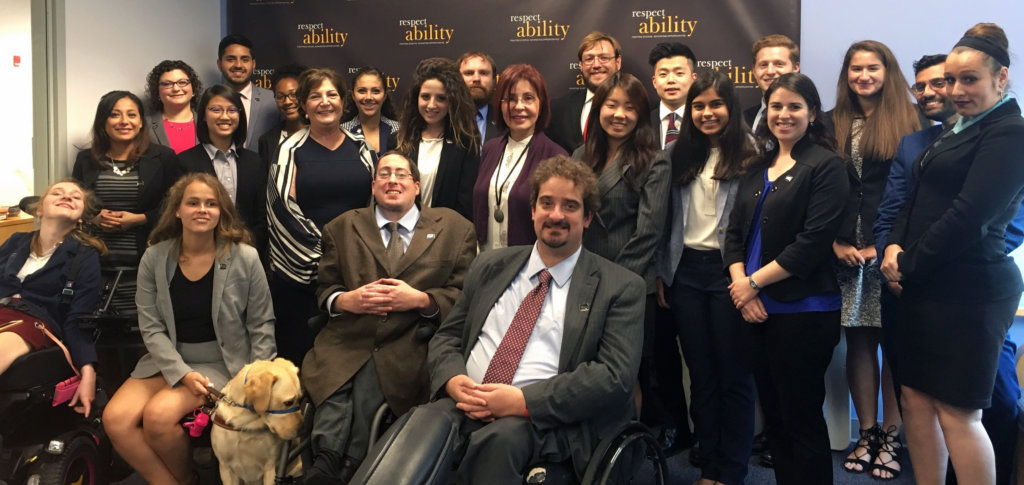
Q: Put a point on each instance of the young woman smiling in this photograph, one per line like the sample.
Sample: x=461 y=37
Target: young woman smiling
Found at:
x=369 y=110
x=707 y=160
x=873 y=111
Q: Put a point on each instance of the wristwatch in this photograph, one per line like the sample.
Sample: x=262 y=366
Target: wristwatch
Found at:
x=753 y=284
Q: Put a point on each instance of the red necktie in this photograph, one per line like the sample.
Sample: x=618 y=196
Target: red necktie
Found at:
x=510 y=351
x=673 y=131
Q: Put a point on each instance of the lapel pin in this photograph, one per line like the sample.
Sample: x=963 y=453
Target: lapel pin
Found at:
x=430 y=236
x=789 y=178
x=584 y=308
x=223 y=266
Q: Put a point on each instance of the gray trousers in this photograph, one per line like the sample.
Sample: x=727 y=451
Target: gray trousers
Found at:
x=341 y=425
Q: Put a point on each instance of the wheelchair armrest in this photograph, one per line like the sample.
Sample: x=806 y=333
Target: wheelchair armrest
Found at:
x=317 y=322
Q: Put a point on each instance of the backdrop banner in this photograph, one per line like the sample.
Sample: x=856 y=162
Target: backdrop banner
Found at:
x=394 y=35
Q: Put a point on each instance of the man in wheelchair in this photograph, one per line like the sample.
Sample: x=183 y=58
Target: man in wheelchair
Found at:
x=386 y=286
x=539 y=357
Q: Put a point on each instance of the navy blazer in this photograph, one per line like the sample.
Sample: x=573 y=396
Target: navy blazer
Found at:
x=43 y=288
x=800 y=219
x=456 y=174
x=250 y=190
x=158 y=170
x=564 y=128
x=952 y=229
x=517 y=208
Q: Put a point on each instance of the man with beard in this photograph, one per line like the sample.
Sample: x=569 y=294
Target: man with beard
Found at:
x=933 y=101
x=477 y=69
x=236 y=62
x=539 y=356
x=600 y=56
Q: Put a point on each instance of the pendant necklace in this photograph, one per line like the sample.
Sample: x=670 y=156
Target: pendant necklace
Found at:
x=499 y=216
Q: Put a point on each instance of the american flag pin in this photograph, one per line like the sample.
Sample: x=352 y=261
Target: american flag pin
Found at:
x=584 y=308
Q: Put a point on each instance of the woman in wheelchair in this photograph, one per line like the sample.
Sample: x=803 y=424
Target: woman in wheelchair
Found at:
x=34 y=269
x=204 y=312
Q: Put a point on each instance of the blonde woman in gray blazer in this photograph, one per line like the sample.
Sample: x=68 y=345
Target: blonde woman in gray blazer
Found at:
x=204 y=312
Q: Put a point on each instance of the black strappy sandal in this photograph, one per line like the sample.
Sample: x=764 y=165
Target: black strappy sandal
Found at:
x=889 y=442
x=869 y=441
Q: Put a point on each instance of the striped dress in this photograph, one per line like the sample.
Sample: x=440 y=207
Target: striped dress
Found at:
x=120 y=193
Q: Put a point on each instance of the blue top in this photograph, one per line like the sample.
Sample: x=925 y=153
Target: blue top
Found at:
x=824 y=302
x=329 y=183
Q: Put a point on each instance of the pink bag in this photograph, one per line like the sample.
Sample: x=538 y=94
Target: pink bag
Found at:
x=64 y=390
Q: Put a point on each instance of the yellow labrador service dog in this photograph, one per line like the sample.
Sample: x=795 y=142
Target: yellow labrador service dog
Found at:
x=256 y=417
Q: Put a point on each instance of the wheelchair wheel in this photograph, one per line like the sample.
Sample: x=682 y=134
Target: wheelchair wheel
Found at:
x=77 y=465
x=633 y=456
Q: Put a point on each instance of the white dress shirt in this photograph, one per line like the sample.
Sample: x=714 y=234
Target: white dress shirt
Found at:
x=541 y=356
x=428 y=160
x=246 y=95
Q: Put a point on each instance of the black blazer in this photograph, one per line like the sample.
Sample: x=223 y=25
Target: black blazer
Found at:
x=158 y=170
x=799 y=220
x=268 y=144
x=969 y=187
x=456 y=174
x=564 y=128
x=250 y=190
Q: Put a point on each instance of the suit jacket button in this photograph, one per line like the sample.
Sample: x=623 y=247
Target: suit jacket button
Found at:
x=764 y=220
x=376 y=348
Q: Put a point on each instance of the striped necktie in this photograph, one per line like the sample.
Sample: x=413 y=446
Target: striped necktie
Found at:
x=673 y=131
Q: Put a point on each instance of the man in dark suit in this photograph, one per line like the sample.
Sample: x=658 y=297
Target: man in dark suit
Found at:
x=600 y=56
x=773 y=55
x=929 y=89
x=477 y=69
x=573 y=315
x=673 y=65
x=388 y=274
x=236 y=61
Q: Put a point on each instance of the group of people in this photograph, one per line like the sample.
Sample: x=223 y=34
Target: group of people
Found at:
x=483 y=253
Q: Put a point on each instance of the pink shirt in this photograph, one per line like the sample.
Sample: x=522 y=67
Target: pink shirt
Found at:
x=181 y=136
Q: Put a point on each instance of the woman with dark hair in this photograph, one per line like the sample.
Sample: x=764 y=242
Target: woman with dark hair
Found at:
x=285 y=84
x=947 y=250
x=321 y=171
x=222 y=132
x=707 y=160
x=501 y=195
x=873 y=111
x=130 y=176
x=199 y=257
x=634 y=179
x=172 y=87
x=778 y=250
x=369 y=111
x=438 y=131
x=36 y=266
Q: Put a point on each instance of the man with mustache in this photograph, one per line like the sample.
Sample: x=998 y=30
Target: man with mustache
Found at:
x=539 y=356
x=600 y=56
x=236 y=62
x=933 y=100
x=477 y=69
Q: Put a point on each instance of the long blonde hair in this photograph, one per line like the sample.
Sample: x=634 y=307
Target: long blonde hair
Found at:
x=230 y=228
x=90 y=208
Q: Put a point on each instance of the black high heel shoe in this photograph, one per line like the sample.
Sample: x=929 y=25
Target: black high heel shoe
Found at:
x=869 y=441
x=889 y=444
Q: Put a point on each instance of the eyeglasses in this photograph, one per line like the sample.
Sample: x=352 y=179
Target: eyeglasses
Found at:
x=281 y=96
x=526 y=99
x=217 y=110
x=400 y=175
x=181 y=83
x=590 y=60
x=937 y=83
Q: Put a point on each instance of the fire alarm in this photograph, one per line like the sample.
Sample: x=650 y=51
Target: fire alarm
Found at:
x=17 y=61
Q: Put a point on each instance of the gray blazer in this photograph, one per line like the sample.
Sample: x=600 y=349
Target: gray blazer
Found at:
x=670 y=250
x=627 y=228
x=243 y=319
x=600 y=356
x=262 y=117
x=155 y=122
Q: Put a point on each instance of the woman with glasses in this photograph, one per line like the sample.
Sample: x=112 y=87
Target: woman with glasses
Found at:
x=369 y=111
x=439 y=133
x=873 y=111
x=321 y=171
x=222 y=128
x=501 y=195
x=172 y=87
x=284 y=82
x=947 y=250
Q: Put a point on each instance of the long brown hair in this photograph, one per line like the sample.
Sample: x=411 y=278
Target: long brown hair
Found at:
x=90 y=208
x=230 y=228
x=101 y=140
x=460 y=124
x=894 y=117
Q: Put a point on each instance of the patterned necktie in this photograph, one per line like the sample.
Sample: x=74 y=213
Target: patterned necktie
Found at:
x=673 y=131
x=510 y=351
x=394 y=250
